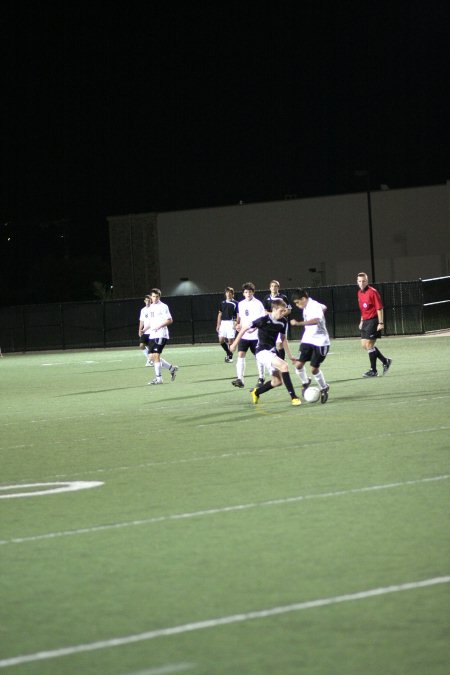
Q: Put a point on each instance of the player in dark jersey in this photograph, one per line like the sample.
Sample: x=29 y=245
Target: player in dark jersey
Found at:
x=267 y=302
x=371 y=324
x=269 y=328
x=226 y=322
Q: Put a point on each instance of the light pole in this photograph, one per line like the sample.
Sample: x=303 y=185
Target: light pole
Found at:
x=366 y=173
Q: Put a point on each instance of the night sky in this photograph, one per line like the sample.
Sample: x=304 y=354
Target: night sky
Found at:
x=167 y=106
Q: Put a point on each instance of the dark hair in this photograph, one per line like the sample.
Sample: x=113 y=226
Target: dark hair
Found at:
x=298 y=294
x=228 y=288
x=156 y=291
x=248 y=286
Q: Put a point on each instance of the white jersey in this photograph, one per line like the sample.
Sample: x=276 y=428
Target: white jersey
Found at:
x=158 y=313
x=248 y=311
x=144 y=316
x=315 y=334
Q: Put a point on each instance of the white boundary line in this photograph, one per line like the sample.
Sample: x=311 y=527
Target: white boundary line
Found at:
x=220 y=621
x=50 y=488
x=223 y=509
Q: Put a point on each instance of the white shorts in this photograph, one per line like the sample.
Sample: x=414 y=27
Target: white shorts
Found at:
x=226 y=330
x=265 y=357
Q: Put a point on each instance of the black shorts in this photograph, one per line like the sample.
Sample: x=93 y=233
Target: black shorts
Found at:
x=369 y=329
x=315 y=355
x=245 y=345
x=156 y=345
x=144 y=339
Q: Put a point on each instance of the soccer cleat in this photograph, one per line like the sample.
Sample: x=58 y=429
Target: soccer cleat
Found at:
x=254 y=395
x=305 y=386
x=148 y=364
x=324 y=394
x=371 y=373
x=386 y=365
x=237 y=383
x=296 y=401
x=173 y=372
x=157 y=380
x=228 y=359
x=260 y=382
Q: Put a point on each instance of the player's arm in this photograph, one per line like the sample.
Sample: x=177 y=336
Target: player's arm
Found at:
x=379 y=308
x=235 y=342
x=380 y=313
x=140 y=328
x=219 y=319
x=286 y=347
x=309 y=322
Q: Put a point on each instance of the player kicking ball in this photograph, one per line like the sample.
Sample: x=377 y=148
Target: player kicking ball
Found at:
x=269 y=328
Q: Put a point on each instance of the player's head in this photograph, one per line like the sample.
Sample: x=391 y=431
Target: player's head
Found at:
x=300 y=297
x=274 y=286
x=249 y=286
x=279 y=308
x=229 y=292
x=156 y=294
x=147 y=299
x=362 y=280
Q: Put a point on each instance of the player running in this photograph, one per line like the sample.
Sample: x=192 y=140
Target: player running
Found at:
x=269 y=328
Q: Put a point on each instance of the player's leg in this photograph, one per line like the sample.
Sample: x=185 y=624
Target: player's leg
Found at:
x=282 y=367
x=318 y=357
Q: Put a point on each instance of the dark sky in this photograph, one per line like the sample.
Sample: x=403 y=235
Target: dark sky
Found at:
x=173 y=105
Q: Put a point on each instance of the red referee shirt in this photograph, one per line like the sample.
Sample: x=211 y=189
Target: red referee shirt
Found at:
x=369 y=300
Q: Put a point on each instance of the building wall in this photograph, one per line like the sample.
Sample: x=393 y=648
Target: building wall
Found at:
x=309 y=242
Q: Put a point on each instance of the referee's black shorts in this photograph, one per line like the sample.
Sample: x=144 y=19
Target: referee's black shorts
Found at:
x=369 y=329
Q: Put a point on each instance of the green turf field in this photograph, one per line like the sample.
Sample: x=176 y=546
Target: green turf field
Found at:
x=221 y=537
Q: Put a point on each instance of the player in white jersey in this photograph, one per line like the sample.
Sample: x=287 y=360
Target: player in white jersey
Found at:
x=157 y=327
x=144 y=337
x=249 y=309
x=315 y=342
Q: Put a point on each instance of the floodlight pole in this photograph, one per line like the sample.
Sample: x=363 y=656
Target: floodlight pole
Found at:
x=369 y=210
x=366 y=172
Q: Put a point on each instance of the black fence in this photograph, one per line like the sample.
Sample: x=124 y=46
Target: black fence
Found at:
x=411 y=307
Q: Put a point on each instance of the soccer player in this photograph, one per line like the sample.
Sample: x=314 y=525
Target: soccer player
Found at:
x=275 y=294
x=371 y=324
x=226 y=321
x=144 y=337
x=157 y=327
x=315 y=341
x=249 y=308
x=270 y=326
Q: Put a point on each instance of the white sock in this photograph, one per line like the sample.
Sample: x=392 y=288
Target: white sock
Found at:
x=157 y=368
x=260 y=370
x=320 y=379
x=145 y=352
x=165 y=364
x=301 y=372
x=240 y=367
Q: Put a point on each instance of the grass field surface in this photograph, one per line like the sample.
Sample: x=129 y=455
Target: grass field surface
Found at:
x=150 y=530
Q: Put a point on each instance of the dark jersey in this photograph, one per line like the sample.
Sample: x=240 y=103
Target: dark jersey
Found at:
x=229 y=310
x=267 y=302
x=268 y=331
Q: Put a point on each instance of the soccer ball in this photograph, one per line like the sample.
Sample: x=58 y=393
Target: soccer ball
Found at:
x=312 y=394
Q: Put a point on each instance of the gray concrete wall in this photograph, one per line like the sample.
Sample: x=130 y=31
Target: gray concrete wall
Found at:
x=287 y=240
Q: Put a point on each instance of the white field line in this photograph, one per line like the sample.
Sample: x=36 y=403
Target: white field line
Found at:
x=220 y=621
x=222 y=455
x=166 y=670
x=224 y=509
